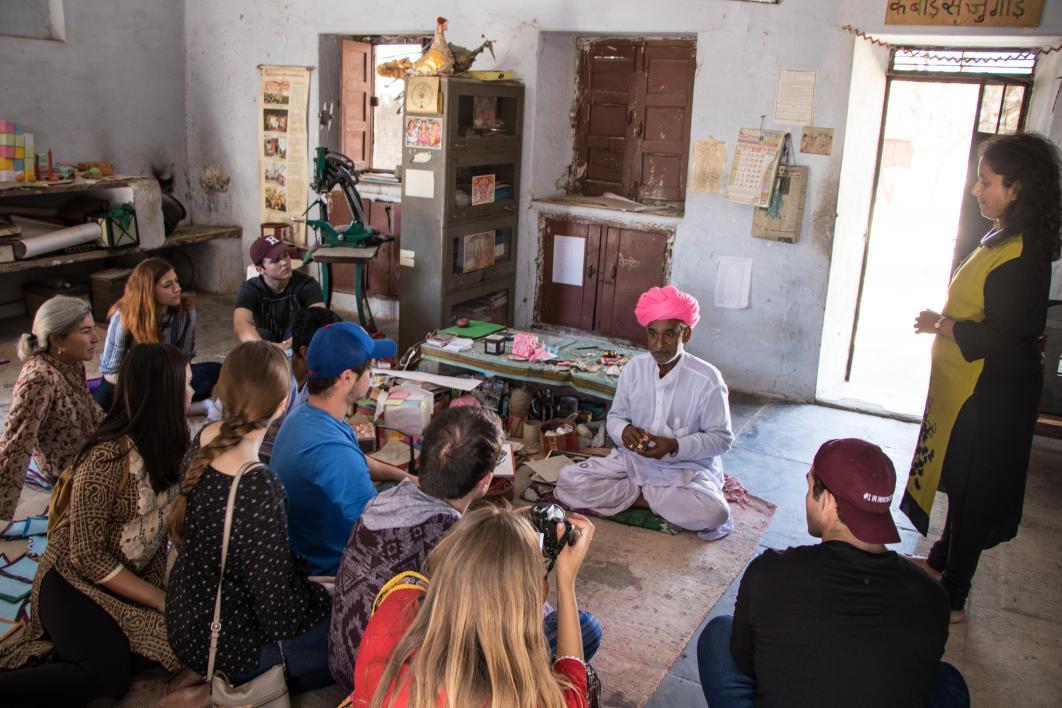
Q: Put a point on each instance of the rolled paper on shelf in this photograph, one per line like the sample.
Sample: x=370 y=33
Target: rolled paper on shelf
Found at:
x=40 y=243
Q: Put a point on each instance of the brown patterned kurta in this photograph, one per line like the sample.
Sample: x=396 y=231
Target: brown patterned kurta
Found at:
x=115 y=523
x=51 y=416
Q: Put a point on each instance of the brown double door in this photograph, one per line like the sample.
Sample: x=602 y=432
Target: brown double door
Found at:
x=616 y=266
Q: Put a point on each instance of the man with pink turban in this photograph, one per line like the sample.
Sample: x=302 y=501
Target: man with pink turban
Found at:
x=670 y=421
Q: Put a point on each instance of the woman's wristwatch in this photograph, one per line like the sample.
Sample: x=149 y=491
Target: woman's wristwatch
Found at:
x=936 y=325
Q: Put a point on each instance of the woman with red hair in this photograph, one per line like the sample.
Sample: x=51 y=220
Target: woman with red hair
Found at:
x=153 y=310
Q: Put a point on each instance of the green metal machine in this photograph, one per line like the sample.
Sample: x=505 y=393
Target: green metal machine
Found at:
x=329 y=170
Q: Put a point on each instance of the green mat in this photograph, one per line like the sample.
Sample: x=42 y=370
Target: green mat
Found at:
x=643 y=518
x=475 y=329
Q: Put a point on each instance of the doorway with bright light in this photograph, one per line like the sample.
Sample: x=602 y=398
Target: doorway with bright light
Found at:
x=940 y=106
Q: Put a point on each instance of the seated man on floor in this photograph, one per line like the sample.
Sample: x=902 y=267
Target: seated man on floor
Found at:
x=401 y=525
x=266 y=305
x=670 y=419
x=327 y=477
x=845 y=622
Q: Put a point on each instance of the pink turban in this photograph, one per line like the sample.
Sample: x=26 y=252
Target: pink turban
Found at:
x=667 y=303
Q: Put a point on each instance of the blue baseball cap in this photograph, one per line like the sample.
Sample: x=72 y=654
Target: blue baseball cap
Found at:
x=344 y=345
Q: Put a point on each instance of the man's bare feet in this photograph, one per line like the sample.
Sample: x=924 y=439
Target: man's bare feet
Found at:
x=197 y=696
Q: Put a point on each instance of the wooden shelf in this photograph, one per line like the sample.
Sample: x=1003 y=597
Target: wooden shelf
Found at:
x=182 y=236
x=31 y=189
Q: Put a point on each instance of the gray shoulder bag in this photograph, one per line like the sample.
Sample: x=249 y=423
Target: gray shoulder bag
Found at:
x=267 y=690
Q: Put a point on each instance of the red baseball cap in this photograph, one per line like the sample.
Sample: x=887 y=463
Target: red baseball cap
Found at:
x=267 y=247
x=862 y=480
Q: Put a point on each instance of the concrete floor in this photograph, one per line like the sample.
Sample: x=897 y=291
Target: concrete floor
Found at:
x=1010 y=649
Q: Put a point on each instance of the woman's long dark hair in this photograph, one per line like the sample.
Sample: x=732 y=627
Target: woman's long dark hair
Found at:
x=1032 y=162
x=149 y=407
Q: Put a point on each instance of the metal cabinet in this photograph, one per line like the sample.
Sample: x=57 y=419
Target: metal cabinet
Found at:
x=618 y=265
x=460 y=192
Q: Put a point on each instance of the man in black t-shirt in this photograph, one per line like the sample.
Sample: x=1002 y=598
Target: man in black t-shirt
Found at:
x=266 y=305
x=842 y=623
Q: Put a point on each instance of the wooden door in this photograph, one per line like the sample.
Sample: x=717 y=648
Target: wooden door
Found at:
x=564 y=303
x=665 y=102
x=605 y=73
x=385 y=217
x=631 y=263
x=356 y=75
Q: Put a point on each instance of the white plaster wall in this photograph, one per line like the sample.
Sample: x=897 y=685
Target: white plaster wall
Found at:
x=772 y=347
x=113 y=91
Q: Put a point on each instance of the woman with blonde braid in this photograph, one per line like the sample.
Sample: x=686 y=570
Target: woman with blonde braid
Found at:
x=266 y=597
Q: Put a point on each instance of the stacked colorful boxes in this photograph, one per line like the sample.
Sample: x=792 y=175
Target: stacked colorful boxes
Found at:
x=17 y=162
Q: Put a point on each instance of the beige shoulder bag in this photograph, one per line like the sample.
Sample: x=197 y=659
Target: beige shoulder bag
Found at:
x=267 y=690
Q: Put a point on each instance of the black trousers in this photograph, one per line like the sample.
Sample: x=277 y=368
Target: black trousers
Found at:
x=956 y=555
x=92 y=656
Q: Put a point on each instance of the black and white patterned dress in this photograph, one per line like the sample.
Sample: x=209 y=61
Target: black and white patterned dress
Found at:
x=265 y=596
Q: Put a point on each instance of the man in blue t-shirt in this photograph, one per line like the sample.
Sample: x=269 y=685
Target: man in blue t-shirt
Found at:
x=327 y=477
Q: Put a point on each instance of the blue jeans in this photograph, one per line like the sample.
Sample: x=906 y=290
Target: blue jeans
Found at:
x=305 y=660
x=591 y=630
x=727 y=686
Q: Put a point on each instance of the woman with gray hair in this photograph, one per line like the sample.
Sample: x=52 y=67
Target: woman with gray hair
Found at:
x=52 y=412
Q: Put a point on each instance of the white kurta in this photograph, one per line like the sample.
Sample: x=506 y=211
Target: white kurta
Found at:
x=689 y=404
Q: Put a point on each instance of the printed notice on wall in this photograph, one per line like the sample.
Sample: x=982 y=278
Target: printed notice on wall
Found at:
x=796 y=97
x=568 y=260
x=709 y=164
x=283 y=97
x=733 y=281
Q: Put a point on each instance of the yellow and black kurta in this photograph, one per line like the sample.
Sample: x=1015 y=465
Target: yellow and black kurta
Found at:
x=984 y=390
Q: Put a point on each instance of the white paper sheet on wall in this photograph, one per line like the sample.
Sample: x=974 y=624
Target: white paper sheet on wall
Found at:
x=796 y=97
x=733 y=281
x=568 y=253
x=420 y=183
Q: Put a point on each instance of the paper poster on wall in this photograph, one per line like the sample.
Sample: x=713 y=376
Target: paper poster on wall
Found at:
x=420 y=183
x=568 y=254
x=796 y=97
x=709 y=164
x=422 y=132
x=816 y=141
x=755 y=162
x=733 y=281
x=282 y=152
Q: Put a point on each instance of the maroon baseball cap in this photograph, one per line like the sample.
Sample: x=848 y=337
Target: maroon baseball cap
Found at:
x=267 y=247
x=862 y=480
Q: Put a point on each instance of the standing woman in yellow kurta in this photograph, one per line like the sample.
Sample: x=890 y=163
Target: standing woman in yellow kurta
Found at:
x=986 y=376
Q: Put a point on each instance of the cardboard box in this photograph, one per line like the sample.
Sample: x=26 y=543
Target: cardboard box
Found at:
x=107 y=287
